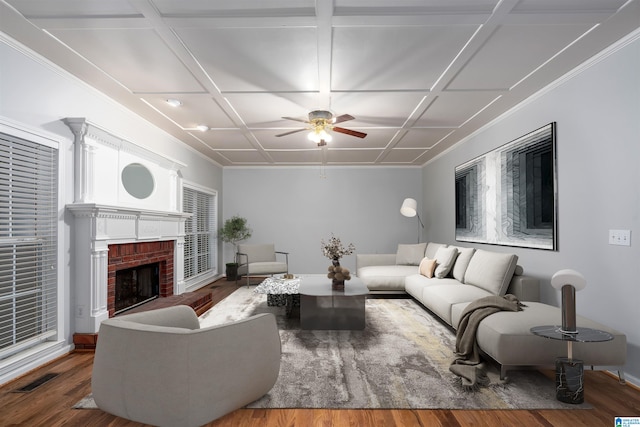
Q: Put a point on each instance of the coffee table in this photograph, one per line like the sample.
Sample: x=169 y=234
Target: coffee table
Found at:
x=324 y=308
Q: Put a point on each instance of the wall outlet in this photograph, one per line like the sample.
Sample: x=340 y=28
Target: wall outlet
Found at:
x=80 y=311
x=620 y=237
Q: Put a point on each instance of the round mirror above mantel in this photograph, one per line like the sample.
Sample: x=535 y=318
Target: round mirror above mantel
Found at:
x=137 y=180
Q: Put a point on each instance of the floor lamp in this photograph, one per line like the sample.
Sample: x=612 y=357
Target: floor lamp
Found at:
x=409 y=209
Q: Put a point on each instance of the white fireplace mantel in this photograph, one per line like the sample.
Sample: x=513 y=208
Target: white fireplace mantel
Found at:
x=106 y=211
x=116 y=224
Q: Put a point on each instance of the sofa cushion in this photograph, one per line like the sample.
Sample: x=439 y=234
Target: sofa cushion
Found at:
x=415 y=283
x=386 y=277
x=462 y=262
x=430 y=252
x=506 y=337
x=439 y=298
x=491 y=271
x=427 y=267
x=445 y=258
x=410 y=254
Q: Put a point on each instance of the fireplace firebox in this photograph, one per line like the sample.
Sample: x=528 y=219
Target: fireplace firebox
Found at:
x=137 y=285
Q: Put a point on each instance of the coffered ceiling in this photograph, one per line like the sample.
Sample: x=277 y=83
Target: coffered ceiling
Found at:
x=417 y=75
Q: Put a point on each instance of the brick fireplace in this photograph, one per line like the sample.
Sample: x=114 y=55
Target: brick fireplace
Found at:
x=108 y=238
x=129 y=255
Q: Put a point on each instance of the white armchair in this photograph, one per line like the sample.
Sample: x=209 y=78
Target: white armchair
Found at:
x=260 y=259
x=158 y=367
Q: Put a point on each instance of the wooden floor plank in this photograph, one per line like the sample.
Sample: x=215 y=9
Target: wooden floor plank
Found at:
x=51 y=404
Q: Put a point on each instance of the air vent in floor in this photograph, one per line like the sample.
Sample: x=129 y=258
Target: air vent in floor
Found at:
x=36 y=383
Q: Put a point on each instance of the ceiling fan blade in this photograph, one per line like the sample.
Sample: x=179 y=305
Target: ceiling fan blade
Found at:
x=291 y=131
x=349 y=132
x=296 y=119
x=343 y=118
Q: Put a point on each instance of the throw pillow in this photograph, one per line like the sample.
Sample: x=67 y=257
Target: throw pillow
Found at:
x=432 y=248
x=462 y=262
x=445 y=258
x=427 y=267
x=410 y=254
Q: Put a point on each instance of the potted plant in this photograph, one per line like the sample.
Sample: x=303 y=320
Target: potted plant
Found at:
x=234 y=230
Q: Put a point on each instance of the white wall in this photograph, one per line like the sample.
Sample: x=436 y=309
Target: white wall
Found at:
x=598 y=142
x=295 y=208
x=36 y=95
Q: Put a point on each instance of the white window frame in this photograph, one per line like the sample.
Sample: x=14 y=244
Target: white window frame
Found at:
x=58 y=343
x=205 y=277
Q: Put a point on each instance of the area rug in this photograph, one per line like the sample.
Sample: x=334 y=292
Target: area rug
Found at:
x=401 y=360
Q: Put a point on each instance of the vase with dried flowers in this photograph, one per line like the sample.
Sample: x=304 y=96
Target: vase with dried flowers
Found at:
x=334 y=250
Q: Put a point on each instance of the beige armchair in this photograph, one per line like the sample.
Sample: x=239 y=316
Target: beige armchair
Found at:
x=159 y=367
x=260 y=259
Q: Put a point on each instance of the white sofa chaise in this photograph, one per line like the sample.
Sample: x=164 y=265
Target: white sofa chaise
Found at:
x=463 y=275
x=159 y=367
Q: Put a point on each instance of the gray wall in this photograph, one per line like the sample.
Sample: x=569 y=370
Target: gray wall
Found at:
x=598 y=141
x=295 y=208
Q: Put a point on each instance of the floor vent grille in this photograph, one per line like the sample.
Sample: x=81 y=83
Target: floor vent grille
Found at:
x=36 y=383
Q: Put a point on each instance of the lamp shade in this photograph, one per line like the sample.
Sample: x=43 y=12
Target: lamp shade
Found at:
x=409 y=207
x=568 y=277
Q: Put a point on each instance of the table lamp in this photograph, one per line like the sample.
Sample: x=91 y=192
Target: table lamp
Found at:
x=568 y=282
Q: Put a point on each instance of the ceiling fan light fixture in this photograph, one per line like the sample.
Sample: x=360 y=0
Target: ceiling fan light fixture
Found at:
x=319 y=134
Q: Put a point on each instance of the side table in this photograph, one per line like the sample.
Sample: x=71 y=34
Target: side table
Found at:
x=281 y=292
x=570 y=371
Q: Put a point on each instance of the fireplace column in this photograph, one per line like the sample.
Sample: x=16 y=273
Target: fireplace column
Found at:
x=98 y=274
x=178 y=264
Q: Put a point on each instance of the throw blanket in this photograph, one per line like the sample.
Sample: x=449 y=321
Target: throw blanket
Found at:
x=468 y=365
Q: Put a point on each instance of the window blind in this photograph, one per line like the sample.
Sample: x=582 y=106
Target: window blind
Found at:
x=199 y=247
x=28 y=243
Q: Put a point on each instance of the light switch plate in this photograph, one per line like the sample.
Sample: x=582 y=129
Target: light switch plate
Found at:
x=620 y=237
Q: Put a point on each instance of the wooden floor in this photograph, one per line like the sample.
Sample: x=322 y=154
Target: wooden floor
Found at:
x=51 y=404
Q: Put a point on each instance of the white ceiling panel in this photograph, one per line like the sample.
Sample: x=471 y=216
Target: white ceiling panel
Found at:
x=422 y=138
x=296 y=141
x=546 y=6
x=235 y=7
x=313 y=156
x=388 y=109
x=398 y=156
x=256 y=59
x=452 y=109
x=502 y=65
x=65 y=8
x=267 y=109
x=352 y=156
x=246 y=157
x=418 y=76
x=224 y=140
x=137 y=58
x=196 y=109
x=440 y=6
x=392 y=58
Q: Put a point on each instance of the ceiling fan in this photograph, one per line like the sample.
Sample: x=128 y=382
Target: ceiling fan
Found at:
x=320 y=122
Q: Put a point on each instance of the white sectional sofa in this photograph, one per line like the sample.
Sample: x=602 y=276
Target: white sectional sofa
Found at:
x=463 y=275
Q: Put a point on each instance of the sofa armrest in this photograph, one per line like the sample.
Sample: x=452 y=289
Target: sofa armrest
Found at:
x=525 y=288
x=366 y=260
